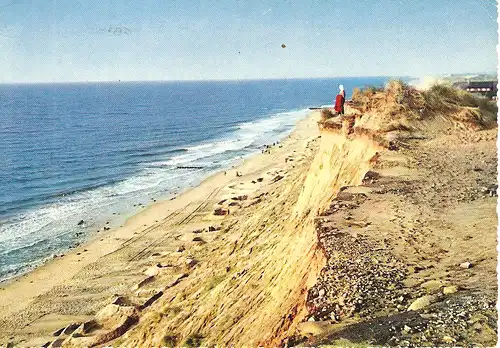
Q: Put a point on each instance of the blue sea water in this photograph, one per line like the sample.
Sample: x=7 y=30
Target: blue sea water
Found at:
x=94 y=151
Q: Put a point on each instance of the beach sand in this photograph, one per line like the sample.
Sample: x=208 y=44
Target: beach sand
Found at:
x=71 y=288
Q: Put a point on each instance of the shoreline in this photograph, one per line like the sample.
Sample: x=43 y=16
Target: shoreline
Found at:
x=18 y=293
x=120 y=219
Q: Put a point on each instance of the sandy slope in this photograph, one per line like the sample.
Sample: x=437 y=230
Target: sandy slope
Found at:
x=74 y=287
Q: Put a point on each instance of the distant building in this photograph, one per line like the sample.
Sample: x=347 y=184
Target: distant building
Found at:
x=486 y=89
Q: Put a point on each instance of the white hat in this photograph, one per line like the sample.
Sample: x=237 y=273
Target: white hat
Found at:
x=341 y=87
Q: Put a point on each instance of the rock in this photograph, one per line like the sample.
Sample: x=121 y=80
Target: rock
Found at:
x=88 y=326
x=321 y=292
x=240 y=198
x=423 y=302
x=213 y=228
x=191 y=262
x=450 y=289
x=199 y=240
x=432 y=285
x=180 y=249
x=260 y=179
x=407 y=329
x=277 y=178
x=70 y=328
x=311 y=319
x=120 y=300
x=466 y=265
x=80 y=223
x=152 y=271
x=221 y=211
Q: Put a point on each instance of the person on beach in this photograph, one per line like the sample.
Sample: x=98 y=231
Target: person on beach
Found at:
x=340 y=100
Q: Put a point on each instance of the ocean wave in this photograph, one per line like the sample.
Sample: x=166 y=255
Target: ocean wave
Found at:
x=43 y=227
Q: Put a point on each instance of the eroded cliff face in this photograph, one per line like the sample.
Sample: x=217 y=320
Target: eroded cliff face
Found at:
x=251 y=289
x=342 y=160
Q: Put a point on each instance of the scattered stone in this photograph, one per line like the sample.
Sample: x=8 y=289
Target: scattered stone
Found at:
x=321 y=293
x=466 y=265
x=81 y=223
x=260 y=179
x=213 y=228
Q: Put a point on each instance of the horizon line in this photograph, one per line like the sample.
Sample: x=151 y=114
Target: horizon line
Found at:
x=238 y=80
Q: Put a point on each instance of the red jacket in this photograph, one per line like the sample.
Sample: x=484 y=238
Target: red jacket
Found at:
x=339 y=102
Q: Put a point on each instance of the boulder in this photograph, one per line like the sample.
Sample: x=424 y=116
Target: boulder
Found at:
x=423 y=302
x=221 y=211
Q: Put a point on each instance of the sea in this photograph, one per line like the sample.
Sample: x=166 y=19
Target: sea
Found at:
x=101 y=152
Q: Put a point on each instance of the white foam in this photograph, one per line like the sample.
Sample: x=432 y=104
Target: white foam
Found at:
x=48 y=223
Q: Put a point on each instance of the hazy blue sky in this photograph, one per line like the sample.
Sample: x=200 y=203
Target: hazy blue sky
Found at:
x=78 y=40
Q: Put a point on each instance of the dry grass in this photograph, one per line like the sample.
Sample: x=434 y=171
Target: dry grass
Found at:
x=326 y=114
x=399 y=105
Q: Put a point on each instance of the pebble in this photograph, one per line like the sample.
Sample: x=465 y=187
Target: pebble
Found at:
x=466 y=265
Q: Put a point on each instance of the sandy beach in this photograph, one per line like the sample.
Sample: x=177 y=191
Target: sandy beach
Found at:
x=37 y=303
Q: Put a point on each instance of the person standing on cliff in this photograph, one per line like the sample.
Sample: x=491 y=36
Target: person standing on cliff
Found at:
x=340 y=100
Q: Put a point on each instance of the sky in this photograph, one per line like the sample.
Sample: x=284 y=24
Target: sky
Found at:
x=109 y=40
